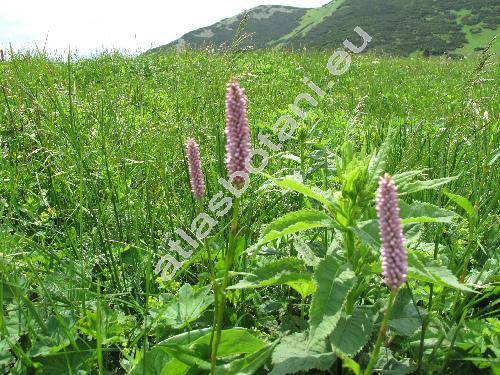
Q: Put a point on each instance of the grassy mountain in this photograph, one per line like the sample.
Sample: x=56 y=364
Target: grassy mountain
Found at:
x=400 y=27
x=265 y=24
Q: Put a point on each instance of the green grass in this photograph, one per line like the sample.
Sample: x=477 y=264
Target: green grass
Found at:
x=94 y=180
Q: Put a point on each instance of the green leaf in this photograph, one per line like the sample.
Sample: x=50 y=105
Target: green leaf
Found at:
x=186 y=338
x=281 y=271
x=368 y=232
x=464 y=203
x=5 y=356
x=295 y=183
x=187 y=306
x=234 y=341
x=156 y=359
x=352 y=332
x=294 y=222
x=405 y=318
x=184 y=355
x=247 y=365
x=423 y=212
x=377 y=162
x=293 y=354
x=433 y=273
x=352 y=365
x=305 y=252
x=154 y=363
x=401 y=179
x=304 y=287
x=406 y=187
x=56 y=338
x=333 y=282
x=71 y=362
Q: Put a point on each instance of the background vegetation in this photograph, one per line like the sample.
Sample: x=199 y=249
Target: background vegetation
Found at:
x=93 y=180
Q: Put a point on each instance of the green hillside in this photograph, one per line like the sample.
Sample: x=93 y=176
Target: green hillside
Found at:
x=398 y=27
x=265 y=25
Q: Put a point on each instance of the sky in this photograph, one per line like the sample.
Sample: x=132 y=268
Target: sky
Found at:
x=90 y=26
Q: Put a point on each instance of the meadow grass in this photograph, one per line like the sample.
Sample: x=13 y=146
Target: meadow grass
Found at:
x=94 y=180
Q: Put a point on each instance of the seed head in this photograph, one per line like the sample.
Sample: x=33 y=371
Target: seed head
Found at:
x=237 y=131
x=394 y=262
x=195 y=174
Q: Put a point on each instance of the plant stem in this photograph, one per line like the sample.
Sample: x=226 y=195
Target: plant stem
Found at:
x=454 y=337
x=428 y=318
x=222 y=290
x=381 y=333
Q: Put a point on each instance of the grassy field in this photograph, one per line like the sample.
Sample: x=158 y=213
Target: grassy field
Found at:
x=94 y=181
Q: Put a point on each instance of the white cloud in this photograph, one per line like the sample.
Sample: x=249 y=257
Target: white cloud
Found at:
x=93 y=25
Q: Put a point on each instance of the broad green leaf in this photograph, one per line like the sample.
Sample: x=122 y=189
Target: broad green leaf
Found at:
x=289 y=157
x=464 y=203
x=279 y=272
x=247 y=365
x=377 y=162
x=184 y=355
x=295 y=183
x=423 y=212
x=305 y=252
x=433 y=273
x=405 y=318
x=304 y=287
x=156 y=359
x=401 y=179
x=334 y=281
x=186 y=338
x=368 y=233
x=70 y=362
x=5 y=356
x=416 y=186
x=187 y=306
x=156 y=362
x=294 y=222
x=56 y=337
x=234 y=341
x=352 y=332
x=293 y=354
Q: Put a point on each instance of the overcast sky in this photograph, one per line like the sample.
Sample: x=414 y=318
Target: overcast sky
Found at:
x=92 y=25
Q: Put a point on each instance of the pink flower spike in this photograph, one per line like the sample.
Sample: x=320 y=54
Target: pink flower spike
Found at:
x=394 y=261
x=237 y=131
x=195 y=173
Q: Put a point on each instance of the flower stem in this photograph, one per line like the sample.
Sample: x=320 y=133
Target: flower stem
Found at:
x=381 y=333
x=428 y=318
x=219 y=312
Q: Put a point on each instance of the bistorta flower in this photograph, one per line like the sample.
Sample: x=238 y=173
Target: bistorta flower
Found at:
x=196 y=177
x=393 y=253
x=237 y=131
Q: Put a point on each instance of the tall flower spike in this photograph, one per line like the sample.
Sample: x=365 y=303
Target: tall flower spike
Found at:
x=237 y=131
x=394 y=262
x=195 y=174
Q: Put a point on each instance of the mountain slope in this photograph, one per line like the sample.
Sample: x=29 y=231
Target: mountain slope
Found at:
x=404 y=26
x=400 y=27
x=266 y=24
